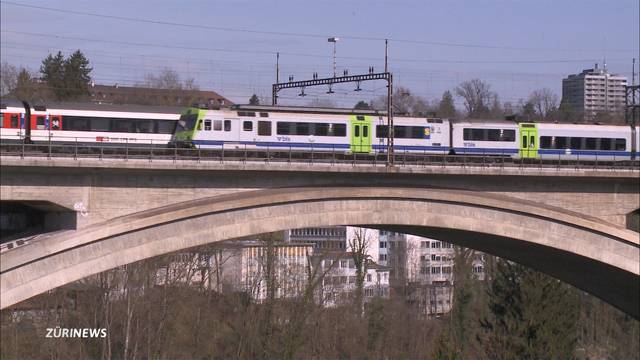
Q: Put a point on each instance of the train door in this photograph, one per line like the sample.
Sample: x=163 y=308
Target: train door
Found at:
x=528 y=141
x=361 y=132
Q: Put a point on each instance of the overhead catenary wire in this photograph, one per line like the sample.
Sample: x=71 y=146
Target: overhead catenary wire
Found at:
x=297 y=34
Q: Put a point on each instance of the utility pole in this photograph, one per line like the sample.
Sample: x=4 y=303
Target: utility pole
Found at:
x=274 y=94
x=390 y=131
x=632 y=109
x=334 y=40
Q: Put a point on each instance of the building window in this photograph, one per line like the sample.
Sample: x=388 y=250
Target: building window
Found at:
x=383 y=244
x=369 y=277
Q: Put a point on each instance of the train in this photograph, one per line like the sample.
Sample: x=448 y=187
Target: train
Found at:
x=302 y=129
x=366 y=132
x=88 y=123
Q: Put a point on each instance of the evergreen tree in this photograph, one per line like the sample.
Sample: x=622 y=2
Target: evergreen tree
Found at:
x=52 y=70
x=254 y=100
x=532 y=316
x=76 y=75
x=362 y=105
x=66 y=78
x=446 y=108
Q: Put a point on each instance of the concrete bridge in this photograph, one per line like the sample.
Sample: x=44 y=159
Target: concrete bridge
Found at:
x=567 y=223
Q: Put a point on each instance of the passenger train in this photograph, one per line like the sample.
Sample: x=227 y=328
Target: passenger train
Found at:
x=358 y=131
x=310 y=129
x=88 y=123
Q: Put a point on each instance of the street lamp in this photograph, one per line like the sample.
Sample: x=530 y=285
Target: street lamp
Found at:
x=334 y=40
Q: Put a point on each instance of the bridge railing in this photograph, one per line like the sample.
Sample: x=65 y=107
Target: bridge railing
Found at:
x=80 y=148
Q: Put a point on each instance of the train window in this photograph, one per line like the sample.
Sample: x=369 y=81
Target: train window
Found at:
x=302 y=128
x=605 y=144
x=40 y=122
x=381 y=131
x=621 y=144
x=100 y=124
x=247 y=125
x=321 y=129
x=365 y=131
x=123 y=125
x=264 y=128
x=507 y=135
x=576 y=143
x=417 y=132
x=561 y=142
x=524 y=142
x=475 y=134
x=493 y=135
x=357 y=131
x=591 y=143
x=14 y=121
x=207 y=124
x=227 y=125
x=264 y=114
x=1 y=120
x=165 y=126
x=545 y=142
x=339 y=129
x=199 y=122
x=217 y=125
x=282 y=128
x=76 y=123
x=144 y=126
x=399 y=132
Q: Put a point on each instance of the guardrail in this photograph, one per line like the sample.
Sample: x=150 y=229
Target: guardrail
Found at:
x=231 y=152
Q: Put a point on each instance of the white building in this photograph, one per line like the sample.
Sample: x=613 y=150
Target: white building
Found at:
x=241 y=266
x=422 y=268
x=339 y=279
x=594 y=90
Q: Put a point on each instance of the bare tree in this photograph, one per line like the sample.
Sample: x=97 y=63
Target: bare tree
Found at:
x=477 y=96
x=404 y=103
x=544 y=101
x=322 y=103
x=167 y=79
x=359 y=243
x=8 y=78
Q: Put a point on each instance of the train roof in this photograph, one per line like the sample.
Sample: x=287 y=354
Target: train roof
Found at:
x=304 y=109
x=96 y=107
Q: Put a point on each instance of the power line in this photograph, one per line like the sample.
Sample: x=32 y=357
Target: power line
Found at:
x=307 y=35
x=442 y=61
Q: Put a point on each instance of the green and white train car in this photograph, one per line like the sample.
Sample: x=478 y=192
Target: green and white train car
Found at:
x=305 y=129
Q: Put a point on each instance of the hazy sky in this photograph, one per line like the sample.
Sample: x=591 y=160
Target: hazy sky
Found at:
x=230 y=46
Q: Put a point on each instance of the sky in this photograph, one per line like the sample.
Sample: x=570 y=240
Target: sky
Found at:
x=230 y=46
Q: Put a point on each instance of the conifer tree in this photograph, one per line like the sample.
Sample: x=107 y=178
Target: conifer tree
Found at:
x=76 y=75
x=532 y=316
x=52 y=70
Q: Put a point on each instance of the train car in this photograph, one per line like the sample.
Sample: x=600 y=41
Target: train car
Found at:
x=304 y=129
x=584 y=142
x=89 y=123
x=485 y=137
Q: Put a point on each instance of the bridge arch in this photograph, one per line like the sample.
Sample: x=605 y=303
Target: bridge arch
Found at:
x=589 y=253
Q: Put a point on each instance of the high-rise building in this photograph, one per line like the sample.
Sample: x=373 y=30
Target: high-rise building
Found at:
x=593 y=91
x=422 y=269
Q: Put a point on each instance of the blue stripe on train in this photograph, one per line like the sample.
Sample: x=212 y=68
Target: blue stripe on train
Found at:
x=458 y=150
x=583 y=152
